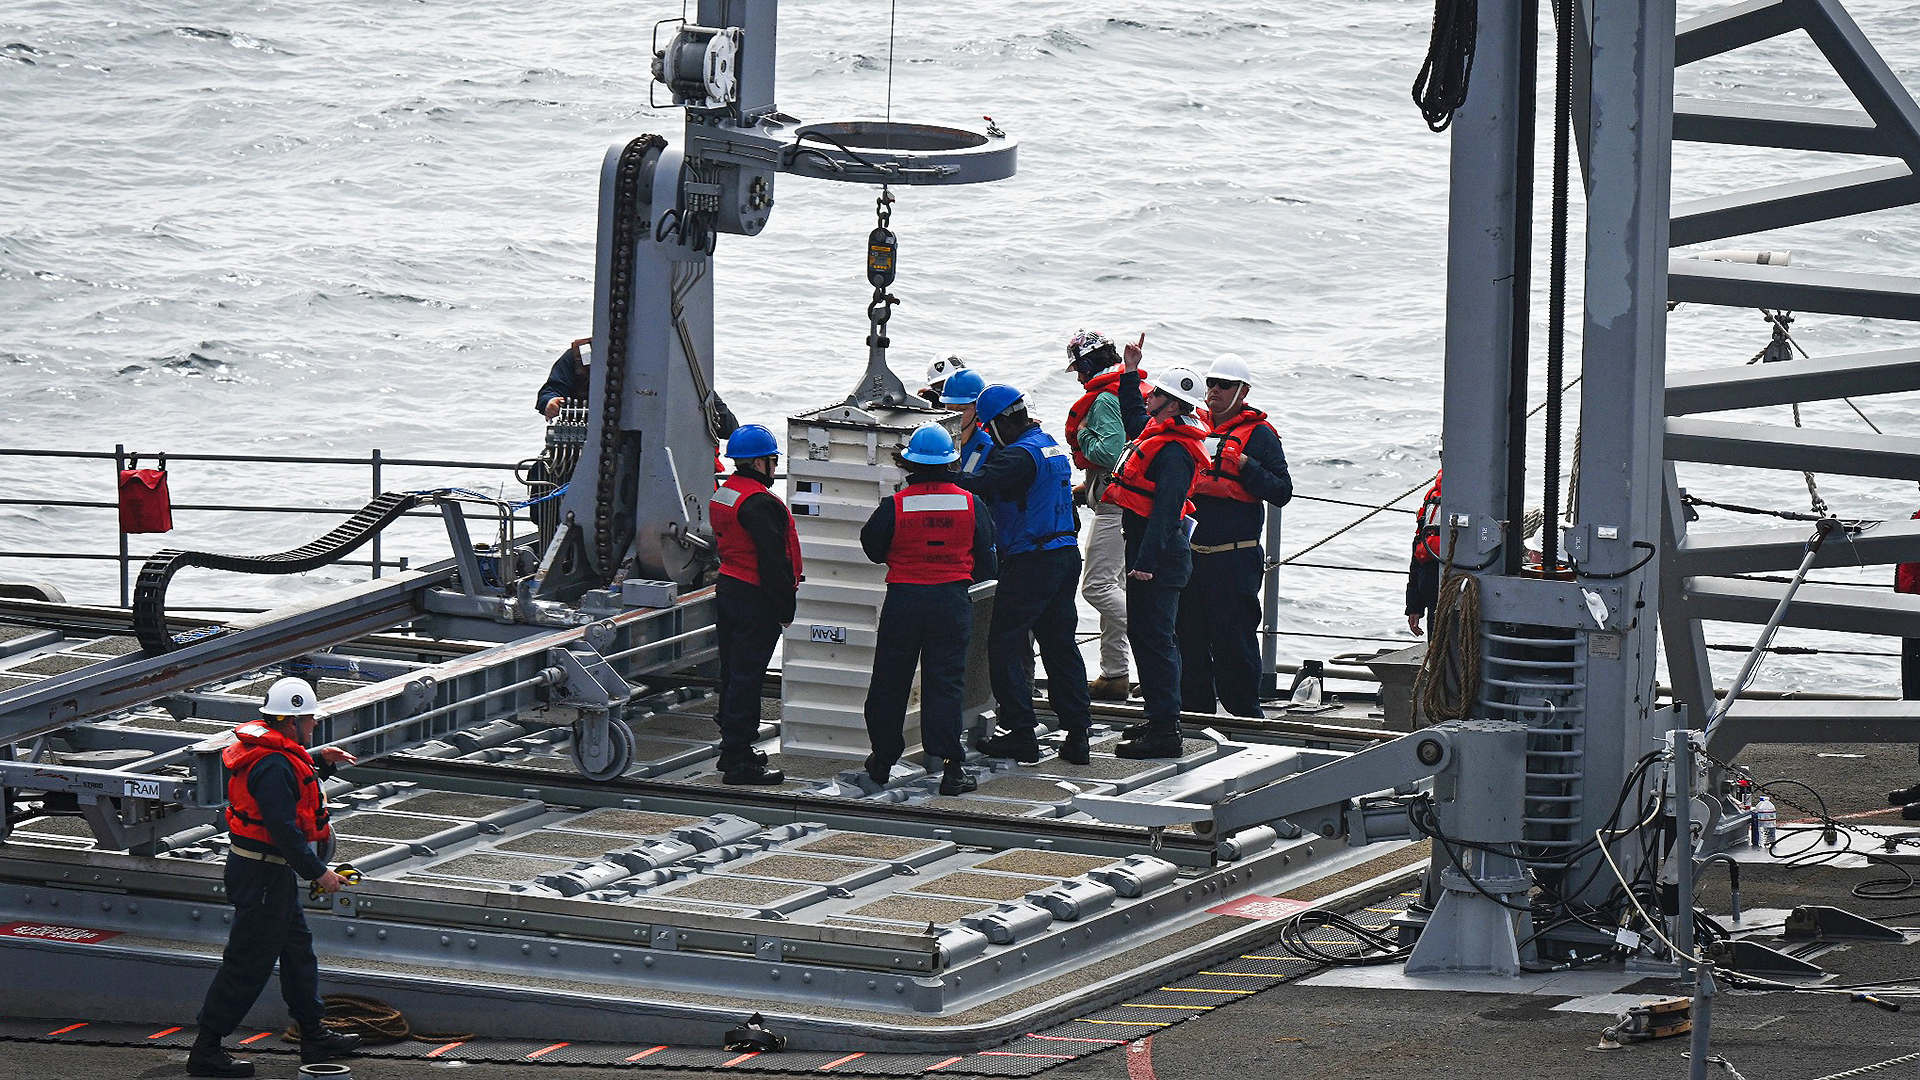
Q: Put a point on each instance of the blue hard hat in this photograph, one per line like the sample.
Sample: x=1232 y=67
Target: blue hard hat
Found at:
x=962 y=387
x=995 y=400
x=930 y=444
x=750 y=441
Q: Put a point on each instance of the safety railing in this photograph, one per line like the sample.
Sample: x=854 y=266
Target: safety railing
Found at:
x=376 y=463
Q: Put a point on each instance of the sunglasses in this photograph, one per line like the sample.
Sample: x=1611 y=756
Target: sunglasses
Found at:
x=1221 y=384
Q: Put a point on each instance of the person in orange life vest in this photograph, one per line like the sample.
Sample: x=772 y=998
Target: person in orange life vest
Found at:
x=936 y=539
x=1423 y=569
x=1219 y=624
x=759 y=581
x=1028 y=486
x=276 y=818
x=1155 y=473
x=1095 y=437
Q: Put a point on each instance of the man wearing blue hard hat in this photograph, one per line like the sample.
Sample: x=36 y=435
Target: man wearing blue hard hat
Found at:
x=1028 y=485
x=936 y=539
x=759 y=581
x=961 y=393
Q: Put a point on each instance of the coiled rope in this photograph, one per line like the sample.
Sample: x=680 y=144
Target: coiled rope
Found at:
x=1449 y=678
x=374 y=1021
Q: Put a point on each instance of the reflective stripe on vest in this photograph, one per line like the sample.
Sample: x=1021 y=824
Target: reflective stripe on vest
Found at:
x=973 y=453
x=1042 y=518
x=1220 y=477
x=253 y=741
x=1131 y=489
x=932 y=535
x=739 y=559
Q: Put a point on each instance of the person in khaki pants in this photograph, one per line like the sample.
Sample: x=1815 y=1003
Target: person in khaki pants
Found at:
x=1095 y=437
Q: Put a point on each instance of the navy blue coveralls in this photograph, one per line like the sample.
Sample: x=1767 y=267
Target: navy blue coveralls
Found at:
x=1156 y=544
x=1219 y=621
x=1028 y=485
x=567 y=379
x=751 y=618
x=926 y=626
x=268 y=923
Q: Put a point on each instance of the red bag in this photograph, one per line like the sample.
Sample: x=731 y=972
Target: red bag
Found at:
x=145 y=504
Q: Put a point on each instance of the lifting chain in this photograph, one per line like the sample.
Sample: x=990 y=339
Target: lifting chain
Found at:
x=882 y=262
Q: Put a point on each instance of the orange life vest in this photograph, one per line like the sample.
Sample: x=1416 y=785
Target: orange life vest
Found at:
x=1220 y=478
x=932 y=535
x=1131 y=490
x=1426 y=537
x=255 y=740
x=1107 y=382
x=738 y=557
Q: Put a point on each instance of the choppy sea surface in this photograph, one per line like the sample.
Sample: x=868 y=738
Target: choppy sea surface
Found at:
x=322 y=227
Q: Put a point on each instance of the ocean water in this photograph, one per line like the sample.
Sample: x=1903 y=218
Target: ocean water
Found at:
x=323 y=227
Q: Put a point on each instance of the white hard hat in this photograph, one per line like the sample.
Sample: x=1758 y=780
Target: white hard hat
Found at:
x=1183 y=383
x=289 y=697
x=1229 y=366
x=942 y=366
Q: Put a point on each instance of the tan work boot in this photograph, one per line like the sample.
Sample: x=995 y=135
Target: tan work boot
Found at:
x=1109 y=688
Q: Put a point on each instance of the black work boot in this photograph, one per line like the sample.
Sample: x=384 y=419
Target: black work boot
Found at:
x=877 y=771
x=1904 y=796
x=955 y=780
x=1021 y=746
x=1911 y=811
x=1161 y=742
x=209 y=1058
x=316 y=1050
x=748 y=767
x=1075 y=750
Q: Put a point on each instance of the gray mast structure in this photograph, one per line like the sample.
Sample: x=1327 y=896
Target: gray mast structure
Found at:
x=637 y=505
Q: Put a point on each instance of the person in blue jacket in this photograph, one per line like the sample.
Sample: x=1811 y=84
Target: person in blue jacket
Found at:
x=1028 y=484
x=961 y=392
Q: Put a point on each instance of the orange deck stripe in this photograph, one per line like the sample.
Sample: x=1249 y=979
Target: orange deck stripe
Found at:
x=738 y=1060
x=843 y=1061
x=437 y=1051
x=945 y=1063
x=646 y=1053
x=69 y=1027
x=163 y=1034
x=545 y=1050
x=255 y=1038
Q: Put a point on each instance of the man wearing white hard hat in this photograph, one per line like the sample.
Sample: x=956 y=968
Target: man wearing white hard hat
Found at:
x=1151 y=484
x=276 y=819
x=1246 y=471
x=941 y=368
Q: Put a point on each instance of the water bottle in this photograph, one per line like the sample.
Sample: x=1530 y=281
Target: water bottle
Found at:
x=1765 y=822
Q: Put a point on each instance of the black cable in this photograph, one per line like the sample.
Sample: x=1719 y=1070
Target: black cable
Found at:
x=1441 y=86
x=1371 y=946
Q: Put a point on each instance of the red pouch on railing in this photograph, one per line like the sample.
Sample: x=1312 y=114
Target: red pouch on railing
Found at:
x=145 y=504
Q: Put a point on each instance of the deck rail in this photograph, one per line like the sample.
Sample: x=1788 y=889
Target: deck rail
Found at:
x=376 y=462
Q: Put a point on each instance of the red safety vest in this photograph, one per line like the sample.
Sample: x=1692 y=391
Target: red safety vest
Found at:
x=1906 y=575
x=1221 y=476
x=252 y=741
x=1107 y=382
x=1131 y=490
x=932 y=535
x=1426 y=535
x=739 y=559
